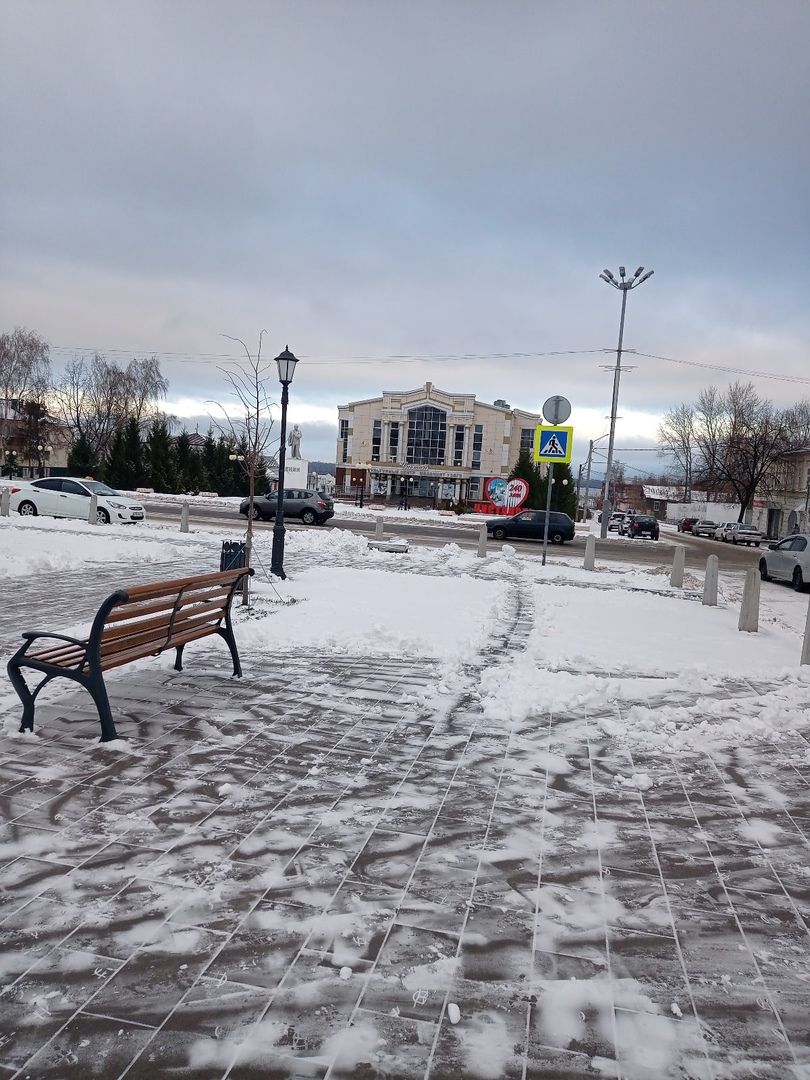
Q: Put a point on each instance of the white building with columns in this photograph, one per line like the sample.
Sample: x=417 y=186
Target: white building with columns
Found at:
x=428 y=445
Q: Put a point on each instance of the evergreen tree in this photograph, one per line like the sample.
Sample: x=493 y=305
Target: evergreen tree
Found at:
x=525 y=469
x=159 y=457
x=208 y=460
x=182 y=460
x=81 y=460
x=136 y=470
x=116 y=471
x=563 y=496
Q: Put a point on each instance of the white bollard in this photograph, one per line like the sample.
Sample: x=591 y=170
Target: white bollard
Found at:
x=749 y=611
x=184 y=518
x=92 y=515
x=590 y=552
x=678 y=561
x=806 y=646
x=5 y=501
x=482 y=542
x=710 y=581
x=378 y=529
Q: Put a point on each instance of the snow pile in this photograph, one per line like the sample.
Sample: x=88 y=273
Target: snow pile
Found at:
x=375 y=613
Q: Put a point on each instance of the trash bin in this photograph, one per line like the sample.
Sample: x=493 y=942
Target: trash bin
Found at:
x=234 y=555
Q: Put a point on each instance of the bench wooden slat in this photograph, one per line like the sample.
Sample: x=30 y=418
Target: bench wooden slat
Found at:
x=151 y=592
x=126 y=656
x=157 y=639
x=136 y=610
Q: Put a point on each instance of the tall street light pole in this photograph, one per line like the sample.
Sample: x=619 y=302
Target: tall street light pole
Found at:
x=285 y=362
x=624 y=285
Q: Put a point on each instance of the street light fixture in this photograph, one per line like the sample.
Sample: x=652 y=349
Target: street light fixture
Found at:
x=624 y=286
x=285 y=362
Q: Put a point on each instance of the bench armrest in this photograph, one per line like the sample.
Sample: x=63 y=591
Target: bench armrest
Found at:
x=30 y=635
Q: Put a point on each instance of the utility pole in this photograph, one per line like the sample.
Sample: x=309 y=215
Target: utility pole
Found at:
x=588 y=478
x=624 y=286
x=579 y=485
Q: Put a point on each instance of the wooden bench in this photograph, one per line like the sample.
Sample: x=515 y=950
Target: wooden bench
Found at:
x=133 y=623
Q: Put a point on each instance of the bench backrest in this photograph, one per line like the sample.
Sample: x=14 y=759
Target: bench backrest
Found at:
x=147 y=619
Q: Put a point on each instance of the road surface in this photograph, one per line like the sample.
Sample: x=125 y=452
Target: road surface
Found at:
x=640 y=552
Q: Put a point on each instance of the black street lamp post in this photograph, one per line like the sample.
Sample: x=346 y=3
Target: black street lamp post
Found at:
x=286 y=369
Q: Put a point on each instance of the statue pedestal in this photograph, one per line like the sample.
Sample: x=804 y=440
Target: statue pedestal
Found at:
x=296 y=472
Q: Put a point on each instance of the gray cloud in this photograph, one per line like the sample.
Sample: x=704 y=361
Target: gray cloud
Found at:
x=369 y=180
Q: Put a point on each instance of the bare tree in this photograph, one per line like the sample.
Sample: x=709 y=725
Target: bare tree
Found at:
x=96 y=398
x=25 y=371
x=676 y=433
x=248 y=427
x=738 y=438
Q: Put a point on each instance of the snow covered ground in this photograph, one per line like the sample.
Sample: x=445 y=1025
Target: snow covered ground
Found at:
x=462 y=818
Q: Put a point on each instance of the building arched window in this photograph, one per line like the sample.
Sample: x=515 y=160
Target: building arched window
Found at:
x=427 y=436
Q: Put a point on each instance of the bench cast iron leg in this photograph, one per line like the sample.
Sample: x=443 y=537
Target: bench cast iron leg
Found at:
x=178 y=660
x=24 y=694
x=226 y=633
x=98 y=692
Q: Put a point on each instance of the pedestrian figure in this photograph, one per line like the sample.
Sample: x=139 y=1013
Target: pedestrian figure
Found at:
x=795 y=529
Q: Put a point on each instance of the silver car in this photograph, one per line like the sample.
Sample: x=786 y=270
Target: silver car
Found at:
x=705 y=528
x=739 y=533
x=789 y=560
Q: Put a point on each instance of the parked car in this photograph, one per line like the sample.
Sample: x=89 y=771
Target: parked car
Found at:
x=685 y=524
x=530 y=525
x=721 y=530
x=705 y=528
x=643 y=525
x=789 y=560
x=69 y=497
x=624 y=524
x=312 y=507
x=616 y=519
x=735 y=532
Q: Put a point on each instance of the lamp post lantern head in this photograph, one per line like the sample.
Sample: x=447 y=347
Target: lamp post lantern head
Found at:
x=649 y=274
x=639 y=272
x=622 y=272
x=606 y=273
x=286 y=362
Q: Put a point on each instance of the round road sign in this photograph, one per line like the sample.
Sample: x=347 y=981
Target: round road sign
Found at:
x=556 y=410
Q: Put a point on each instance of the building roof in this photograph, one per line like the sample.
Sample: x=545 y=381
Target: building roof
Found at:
x=428 y=389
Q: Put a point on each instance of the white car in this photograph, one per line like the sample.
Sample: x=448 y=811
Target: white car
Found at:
x=789 y=560
x=737 y=532
x=69 y=497
x=705 y=528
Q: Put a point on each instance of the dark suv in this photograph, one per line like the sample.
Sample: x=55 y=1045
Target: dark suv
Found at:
x=530 y=525
x=312 y=507
x=643 y=525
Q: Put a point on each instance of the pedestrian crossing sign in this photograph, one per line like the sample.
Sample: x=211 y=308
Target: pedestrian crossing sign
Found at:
x=553 y=444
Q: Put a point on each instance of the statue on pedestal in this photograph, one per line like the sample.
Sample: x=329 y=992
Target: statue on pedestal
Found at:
x=294 y=442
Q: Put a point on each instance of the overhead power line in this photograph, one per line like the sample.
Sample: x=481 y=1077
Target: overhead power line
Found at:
x=317 y=360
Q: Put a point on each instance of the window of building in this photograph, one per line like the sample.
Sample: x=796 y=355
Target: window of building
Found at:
x=427 y=436
x=376 y=440
x=458 y=445
x=477 y=444
x=475 y=484
x=526 y=438
x=393 y=441
x=343 y=435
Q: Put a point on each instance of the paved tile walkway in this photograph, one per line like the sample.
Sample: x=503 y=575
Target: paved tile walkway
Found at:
x=302 y=874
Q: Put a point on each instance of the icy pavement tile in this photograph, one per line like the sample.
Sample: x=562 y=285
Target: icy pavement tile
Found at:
x=573 y=1015
x=156 y=977
x=653 y=963
x=490 y=1036
x=652 y=1046
x=40 y=1001
x=88 y=1046
x=201 y=1036
x=388 y=858
x=744 y=1022
x=412 y=974
x=496 y=946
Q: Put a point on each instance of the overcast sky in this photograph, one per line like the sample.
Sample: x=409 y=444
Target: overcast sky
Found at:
x=435 y=182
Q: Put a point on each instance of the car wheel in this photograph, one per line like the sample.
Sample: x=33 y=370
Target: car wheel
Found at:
x=763 y=571
x=557 y=538
x=798 y=580
x=256 y=515
x=756 y=544
x=27 y=509
x=499 y=533
x=308 y=517
x=102 y=517
x=734 y=541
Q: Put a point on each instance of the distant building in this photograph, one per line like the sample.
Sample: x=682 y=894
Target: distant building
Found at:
x=32 y=441
x=427 y=445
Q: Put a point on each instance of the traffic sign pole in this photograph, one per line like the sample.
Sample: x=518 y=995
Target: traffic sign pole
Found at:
x=548 y=511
